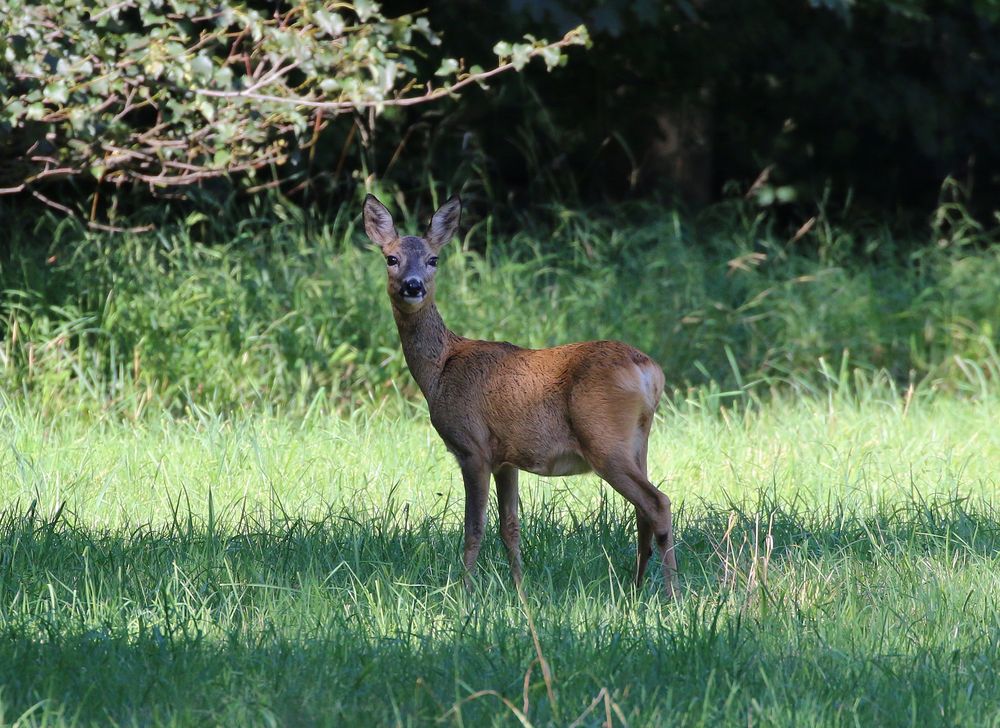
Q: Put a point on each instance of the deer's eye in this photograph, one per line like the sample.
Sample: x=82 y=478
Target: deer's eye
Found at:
x=432 y=262
x=391 y=260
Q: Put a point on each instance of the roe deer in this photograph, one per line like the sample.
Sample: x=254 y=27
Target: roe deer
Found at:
x=500 y=408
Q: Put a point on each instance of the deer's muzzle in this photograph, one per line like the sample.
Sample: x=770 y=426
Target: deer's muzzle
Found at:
x=413 y=288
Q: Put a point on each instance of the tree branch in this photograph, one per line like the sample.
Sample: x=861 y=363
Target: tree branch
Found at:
x=89 y=223
x=571 y=38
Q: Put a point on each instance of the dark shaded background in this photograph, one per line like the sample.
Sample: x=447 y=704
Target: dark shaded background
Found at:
x=867 y=108
x=873 y=102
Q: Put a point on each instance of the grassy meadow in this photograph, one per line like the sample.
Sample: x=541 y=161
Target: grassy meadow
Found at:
x=220 y=503
x=840 y=563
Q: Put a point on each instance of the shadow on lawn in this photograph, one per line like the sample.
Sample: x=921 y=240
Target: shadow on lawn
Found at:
x=708 y=673
x=102 y=623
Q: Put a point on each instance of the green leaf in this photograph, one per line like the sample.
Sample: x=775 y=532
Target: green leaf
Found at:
x=449 y=67
x=422 y=26
x=520 y=55
x=365 y=9
x=785 y=194
x=13 y=109
x=551 y=55
x=330 y=23
x=388 y=76
x=223 y=77
x=765 y=196
x=57 y=92
x=201 y=66
x=580 y=36
x=207 y=110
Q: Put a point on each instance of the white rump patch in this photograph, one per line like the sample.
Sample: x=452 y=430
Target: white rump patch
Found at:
x=649 y=384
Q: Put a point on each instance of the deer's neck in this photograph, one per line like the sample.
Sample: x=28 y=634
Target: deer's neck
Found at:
x=425 y=341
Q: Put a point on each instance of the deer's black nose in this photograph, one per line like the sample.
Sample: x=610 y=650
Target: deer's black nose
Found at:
x=412 y=288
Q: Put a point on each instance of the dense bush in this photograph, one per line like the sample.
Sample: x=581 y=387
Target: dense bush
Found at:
x=175 y=92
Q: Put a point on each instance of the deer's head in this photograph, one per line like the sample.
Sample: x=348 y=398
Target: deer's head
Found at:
x=411 y=261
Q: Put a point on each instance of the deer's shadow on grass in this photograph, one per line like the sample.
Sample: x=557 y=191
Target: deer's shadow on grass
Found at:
x=312 y=621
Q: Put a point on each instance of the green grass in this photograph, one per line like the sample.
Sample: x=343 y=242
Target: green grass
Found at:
x=840 y=557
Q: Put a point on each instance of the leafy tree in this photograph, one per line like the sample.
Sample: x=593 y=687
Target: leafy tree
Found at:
x=171 y=92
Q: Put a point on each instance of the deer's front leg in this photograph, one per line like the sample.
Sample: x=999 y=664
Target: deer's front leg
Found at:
x=476 y=476
x=510 y=522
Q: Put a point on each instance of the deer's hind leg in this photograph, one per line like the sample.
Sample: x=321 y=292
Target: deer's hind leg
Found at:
x=653 y=514
x=644 y=545
x=614 y=435
x=644 y=530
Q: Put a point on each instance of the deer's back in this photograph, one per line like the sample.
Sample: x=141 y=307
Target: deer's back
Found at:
x=526 y=407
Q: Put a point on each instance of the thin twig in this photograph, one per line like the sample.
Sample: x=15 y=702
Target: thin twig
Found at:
x=525 y=700
x=57 y=172
x=89 y=223
x=521 y=717
x=111 y=9
x=271 y=77
x=542 y=662
x=52 y=203
x=116 y=229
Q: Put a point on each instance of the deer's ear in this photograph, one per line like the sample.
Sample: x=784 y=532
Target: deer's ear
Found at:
x=378 y=222
x=444 y=224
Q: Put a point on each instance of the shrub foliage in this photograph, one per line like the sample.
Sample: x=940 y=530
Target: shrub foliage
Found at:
x=168 y=92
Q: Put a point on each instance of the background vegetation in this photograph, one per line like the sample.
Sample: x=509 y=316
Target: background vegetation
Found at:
x=875 y=101
x=232 y=312
x=221 y=500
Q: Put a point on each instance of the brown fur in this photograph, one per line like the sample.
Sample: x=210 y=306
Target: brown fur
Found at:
x=500 y=408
